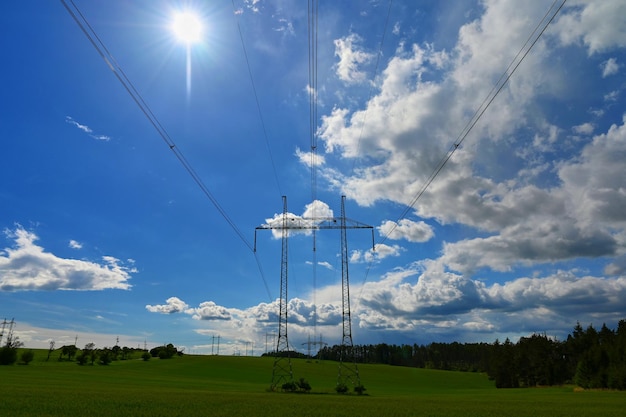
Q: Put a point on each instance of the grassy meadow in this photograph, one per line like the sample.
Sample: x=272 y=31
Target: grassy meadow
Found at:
x=238 y=386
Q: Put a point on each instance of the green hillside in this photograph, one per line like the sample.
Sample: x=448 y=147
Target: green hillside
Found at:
x=238 y=386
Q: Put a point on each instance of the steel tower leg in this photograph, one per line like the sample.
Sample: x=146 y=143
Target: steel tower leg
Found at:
x=348 y=370
x=282 y=372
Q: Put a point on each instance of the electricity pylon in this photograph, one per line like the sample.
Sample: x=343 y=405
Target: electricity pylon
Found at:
x=348 y=371
x=313 y=343
x=282 y=371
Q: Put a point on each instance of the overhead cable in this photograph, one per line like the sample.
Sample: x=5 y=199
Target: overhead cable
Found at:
x=97 y=43
x=532 y=39
x=378 y=55
x=312 y=16
x=256 y=99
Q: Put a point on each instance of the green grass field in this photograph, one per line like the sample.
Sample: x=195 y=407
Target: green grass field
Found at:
x=238 y=386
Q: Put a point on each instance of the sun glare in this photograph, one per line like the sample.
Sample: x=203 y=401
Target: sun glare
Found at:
x=187 y=27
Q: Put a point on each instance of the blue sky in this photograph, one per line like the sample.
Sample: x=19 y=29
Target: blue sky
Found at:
x=106 y=235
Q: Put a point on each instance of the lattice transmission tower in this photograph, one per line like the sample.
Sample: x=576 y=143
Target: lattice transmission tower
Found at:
x=348 y=370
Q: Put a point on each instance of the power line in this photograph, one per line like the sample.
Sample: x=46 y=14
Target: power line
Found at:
x=378 y=55
x=532 y=39
x=117 y=70
x=312 y=19
x=256 y=99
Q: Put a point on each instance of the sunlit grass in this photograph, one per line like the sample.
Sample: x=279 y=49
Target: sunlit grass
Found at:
x=237 y=386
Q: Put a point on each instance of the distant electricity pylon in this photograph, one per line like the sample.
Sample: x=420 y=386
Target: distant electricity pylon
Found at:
x=9 y=334
x=282 y=371
x=213 y=344
x=313 y=343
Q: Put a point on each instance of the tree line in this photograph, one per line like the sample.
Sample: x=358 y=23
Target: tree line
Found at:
x=89 y=355
x=589 y=358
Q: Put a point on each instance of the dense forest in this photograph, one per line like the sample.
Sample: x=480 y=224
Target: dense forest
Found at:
x=589 y=358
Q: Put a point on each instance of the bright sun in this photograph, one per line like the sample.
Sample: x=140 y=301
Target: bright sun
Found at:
x=187 y=27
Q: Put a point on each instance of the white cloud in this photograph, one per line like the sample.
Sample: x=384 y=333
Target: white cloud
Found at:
x=28 y=267
x=610 y=67
x=594 y=183
x=617 y=267
x=253 y=5
x=570 y=210
x=257 y=322
x=351 y=57
x=380 y=252
x=75 y=245
x=406 y=229
x=326 y=265
x=396 y=29
x=598 y=25
x=450 y=302
x=310 y=158
x=303 y=224
x=86 y=129
x=285 y=26
x=209 y=311
x=173 y=305
x=611 y=96
x=584 y=129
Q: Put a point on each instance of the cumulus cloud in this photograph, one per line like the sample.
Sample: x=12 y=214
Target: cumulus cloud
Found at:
x=406 y=229
x=594 y=190
x=28 y=267
x=255 y=323
x=426 y=298
x=610 y=67
x=617 y=267
x=310 y=159
x=585 y=128
x=351 y=57
x=423 y=97
x=172 y=305
x=378 y=253
x=449 y=301
x=75 y=245
x=304 y=224
x=209 y=311
x=599 y=26
x=612 y=96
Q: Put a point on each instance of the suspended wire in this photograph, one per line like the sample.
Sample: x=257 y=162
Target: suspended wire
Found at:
x=312 y=16
x=256 y=99
x=532 y=39
x=312 y=37
x=371 y=93
x=97 y=43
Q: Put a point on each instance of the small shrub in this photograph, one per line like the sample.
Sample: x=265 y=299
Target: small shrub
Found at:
x=359 y=389
x=304 y=385
x=289 y=386
x=82 y=358
x=341 y=388
x=146 y=356
x=27 y=356
x=8 y=355
x=106 y=356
